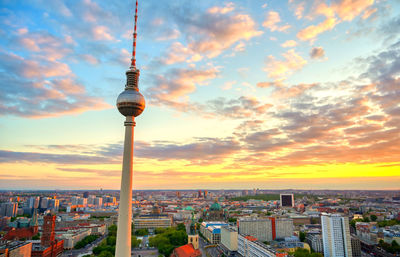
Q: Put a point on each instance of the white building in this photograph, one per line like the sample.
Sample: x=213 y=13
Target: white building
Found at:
x=212 y=231
x=283 y=227
x=315 y=241
x=72 y=237
x=260 y=228
x=336 y=235
x=229 y=238
x=248 y=247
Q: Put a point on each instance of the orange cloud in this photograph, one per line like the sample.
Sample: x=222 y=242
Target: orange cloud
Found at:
x=102 y=33
x=282 y=68
x=229 y=7
x=313 y=31
x=272 y=20
x=289 y=43
x=338 y=11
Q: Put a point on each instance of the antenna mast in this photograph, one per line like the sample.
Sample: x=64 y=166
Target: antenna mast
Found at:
x=133 y=63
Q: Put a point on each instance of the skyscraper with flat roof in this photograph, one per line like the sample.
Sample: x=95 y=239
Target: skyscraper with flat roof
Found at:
x=336 y=235
x=287 y=200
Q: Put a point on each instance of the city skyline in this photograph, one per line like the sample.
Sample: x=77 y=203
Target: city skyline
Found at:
x=240 y=94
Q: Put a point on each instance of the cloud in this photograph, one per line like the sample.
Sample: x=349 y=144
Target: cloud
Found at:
x=272 y=20
x=335 y=13
x=317 y=53
x=229 y=7
x=176 y=84
x=356 y=124
x=311 y=32
x=12 y=156
x=102 y=33
x=40 y=90
x=243 y=107
x=209 y=33
x=201 y=151
x=282 y=68
x=289 y=43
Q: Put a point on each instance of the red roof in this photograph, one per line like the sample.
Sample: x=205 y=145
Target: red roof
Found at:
x=186 y=251
x=20 y=233
x=251 y=238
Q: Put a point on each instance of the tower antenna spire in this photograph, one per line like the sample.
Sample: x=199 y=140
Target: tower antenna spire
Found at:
x=133 y=63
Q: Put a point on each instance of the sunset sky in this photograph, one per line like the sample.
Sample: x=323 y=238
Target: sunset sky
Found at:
x=243 y=94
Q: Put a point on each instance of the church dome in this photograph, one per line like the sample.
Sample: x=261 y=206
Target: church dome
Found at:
x=215 y=207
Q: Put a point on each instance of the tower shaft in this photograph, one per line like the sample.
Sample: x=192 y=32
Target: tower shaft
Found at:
x=123 y=247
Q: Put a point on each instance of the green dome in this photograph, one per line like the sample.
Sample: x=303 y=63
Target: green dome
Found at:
x=189 y=208
x=215 y=207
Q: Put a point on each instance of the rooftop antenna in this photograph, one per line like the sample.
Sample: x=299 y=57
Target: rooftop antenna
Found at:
x=133 y=63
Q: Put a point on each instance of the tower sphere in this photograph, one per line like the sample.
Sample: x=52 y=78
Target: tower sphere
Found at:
x=130 y=103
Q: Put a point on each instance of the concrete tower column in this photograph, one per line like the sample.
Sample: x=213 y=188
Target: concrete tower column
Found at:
x=123 y=247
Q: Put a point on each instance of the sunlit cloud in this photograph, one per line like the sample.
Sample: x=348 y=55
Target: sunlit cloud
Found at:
x=272 y=20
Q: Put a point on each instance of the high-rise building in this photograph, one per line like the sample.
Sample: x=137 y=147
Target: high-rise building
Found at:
x=54 y=204
x=9 y=209
x=74 y=200
x=44 y=202
x=355 y=247
x=287 y=200
x=267 y=229
x=86 y=194
x=33 y=202
x=336 y=235
x=283 y=227
x=199 y=194
x=131 y=104
x=82 y=201
x=98 y=201
x=261 y=229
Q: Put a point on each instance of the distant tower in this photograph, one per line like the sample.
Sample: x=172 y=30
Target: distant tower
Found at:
x=49 y=225
x=34 y=222
x=131 y=104
x=287 y=200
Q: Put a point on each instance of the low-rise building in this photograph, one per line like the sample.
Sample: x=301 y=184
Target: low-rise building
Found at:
x=152 y=221
x=315 y=241
x=229 y=238
x=249 y=247
x=16 y=249
x=72 y=237
x=212 y=231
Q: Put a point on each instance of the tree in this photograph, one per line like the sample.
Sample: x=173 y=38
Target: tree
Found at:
x=181 y=226
x=167 y=241
x=36 y=237
x=302 y=236
x=112 y=230
x=135 y=242
x=373 y=217
x=141 y=232
x=111 y=240
x=301 y=252
x=354 y=221
x=233 y=220
x=106 y=254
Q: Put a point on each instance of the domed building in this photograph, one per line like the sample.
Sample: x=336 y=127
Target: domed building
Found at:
x=215 y=212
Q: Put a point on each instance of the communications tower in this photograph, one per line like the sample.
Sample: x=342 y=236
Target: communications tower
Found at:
x=131 y=104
